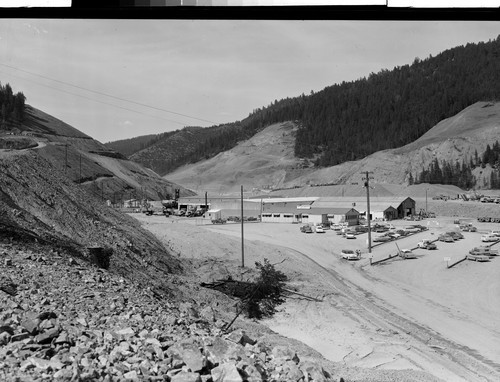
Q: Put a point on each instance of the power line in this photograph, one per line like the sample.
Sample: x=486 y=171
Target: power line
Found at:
x=107 y=95
x=94 y=100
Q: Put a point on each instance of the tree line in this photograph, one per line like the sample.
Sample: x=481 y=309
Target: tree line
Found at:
x=385 y=110
x=12 y=106
x=460 y=174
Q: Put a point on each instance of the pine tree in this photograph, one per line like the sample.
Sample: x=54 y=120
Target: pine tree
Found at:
x=410 y=179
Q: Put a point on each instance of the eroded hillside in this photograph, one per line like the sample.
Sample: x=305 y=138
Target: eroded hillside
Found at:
x=263 y=161
x=101 y=171
x=267 y=160
x=39 y=204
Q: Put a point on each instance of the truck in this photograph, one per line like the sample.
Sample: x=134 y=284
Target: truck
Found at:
x=426 y=244
x=468 y=227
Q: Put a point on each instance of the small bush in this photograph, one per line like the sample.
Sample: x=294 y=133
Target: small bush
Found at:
x=101 y=256
x=268 y=291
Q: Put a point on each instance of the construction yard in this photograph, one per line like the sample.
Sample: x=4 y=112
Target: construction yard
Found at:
x=400 y=314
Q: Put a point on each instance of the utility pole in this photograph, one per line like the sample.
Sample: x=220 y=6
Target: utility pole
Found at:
x=242 y=240
x=368 y=219
x=426 y=201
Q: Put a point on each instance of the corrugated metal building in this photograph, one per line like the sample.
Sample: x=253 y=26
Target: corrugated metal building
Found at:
x=281 y=213
x=386 y=208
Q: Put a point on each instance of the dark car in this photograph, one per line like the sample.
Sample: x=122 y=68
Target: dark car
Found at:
x=455 y=235
x=382 y=239
x=306 y=229
x=219 y=221
x=446 y=238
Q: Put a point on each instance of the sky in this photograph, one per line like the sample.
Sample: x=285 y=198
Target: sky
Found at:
x=117 y=79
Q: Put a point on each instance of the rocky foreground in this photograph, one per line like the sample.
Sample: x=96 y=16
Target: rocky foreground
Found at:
x=61 y=319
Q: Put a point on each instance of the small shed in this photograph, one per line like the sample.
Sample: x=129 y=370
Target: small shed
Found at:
x=390 y=213
x=406 y=207
x=343 y=215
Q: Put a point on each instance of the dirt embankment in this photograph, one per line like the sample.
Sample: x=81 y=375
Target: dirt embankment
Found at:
x=37 y=202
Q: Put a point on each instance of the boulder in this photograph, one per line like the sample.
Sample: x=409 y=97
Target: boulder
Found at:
x=188 y=351
x=227 y=372
x=240 y=337
x=186 y=376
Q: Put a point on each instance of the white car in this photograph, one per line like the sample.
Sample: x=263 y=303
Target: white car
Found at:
x=350 y=235
x=407 y=254
x=319 y=229
x=487 y=238
x=349 y=254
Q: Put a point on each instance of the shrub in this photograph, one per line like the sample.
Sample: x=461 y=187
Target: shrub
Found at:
x=268 y=291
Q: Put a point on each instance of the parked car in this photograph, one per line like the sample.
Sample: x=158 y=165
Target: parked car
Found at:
x=477 y=257
x=420 y=227
x=426 y=244
x=407 y=254
x=350 y=235
x=446 y=238
x=382 y=239
x=485 y=251
x=488 y=238
x=495 y=232
x=361 y=229
x=412 y=229
x=455 y=235
x=336 y=227
x=306 y=229
x=467 y=227
x=349 y=254
x=393 y=235
x=319 y=229
x=219 y=221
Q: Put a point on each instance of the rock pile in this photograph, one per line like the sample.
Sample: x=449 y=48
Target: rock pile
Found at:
x=61 y=319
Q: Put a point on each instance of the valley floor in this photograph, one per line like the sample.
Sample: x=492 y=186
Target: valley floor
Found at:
x=399 y=315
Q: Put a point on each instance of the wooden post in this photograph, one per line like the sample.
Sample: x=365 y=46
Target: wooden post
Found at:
x=242 y=240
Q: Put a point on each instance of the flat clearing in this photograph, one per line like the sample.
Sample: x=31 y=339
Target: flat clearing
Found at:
x=400 y=314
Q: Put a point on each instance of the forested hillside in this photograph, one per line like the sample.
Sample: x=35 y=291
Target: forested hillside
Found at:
x=130 y=146
x=12 y=107
x=351 y=120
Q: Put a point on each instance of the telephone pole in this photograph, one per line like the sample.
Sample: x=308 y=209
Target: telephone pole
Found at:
x=368 y=218
x=242 y=240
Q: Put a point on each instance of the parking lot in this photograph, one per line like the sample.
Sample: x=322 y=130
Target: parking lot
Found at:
x=462 y=303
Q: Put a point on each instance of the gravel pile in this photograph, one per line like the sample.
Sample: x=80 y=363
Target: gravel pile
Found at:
x=64 y=320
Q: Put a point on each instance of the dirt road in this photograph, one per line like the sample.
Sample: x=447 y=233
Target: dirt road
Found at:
x=402 y=314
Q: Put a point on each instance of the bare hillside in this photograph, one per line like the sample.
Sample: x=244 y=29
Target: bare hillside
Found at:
x=267 y=160
x=82 y=159
x=263 y=161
